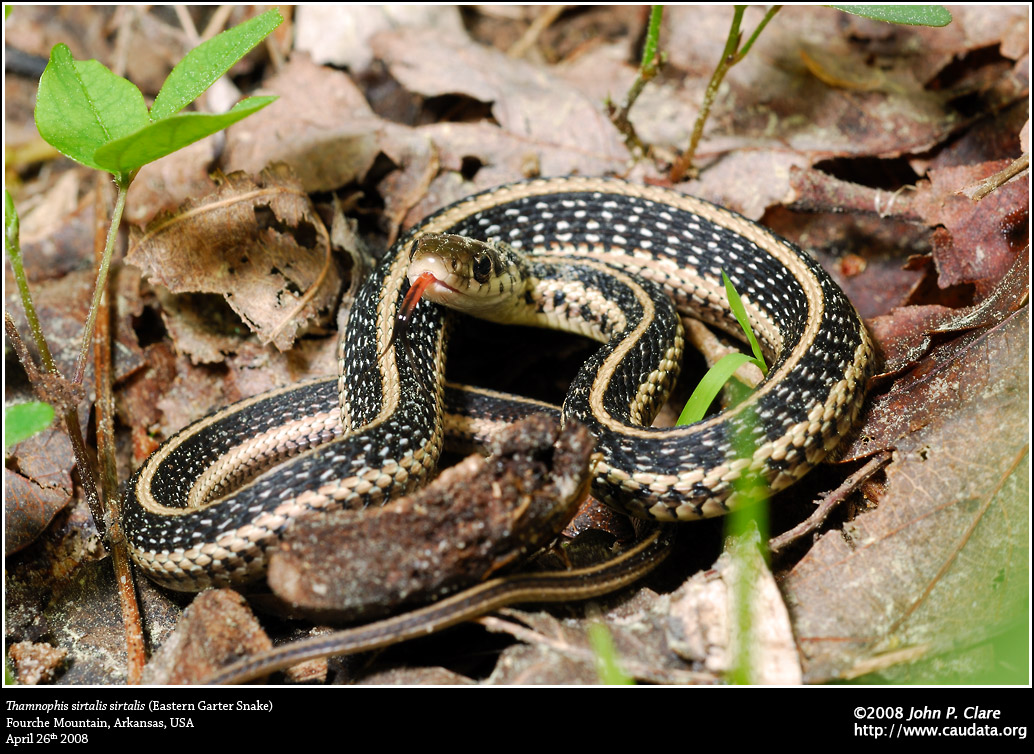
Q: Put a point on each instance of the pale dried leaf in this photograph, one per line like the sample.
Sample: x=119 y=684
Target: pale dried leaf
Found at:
x=339 y=33
x=260 y=245
x=700 y=629
x=321 y=127
x=530 y=104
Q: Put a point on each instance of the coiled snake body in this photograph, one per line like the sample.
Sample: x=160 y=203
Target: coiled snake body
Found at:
x=204 y=508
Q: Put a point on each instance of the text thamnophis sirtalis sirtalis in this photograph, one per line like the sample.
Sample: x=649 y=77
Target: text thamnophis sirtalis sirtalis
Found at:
x=199 y=512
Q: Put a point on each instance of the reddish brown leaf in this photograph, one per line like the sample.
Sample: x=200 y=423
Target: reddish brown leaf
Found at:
x=37 y=486
x=217 y=629
x=975 y=247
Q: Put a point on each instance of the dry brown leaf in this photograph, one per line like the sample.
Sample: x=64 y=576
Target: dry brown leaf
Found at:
x=975 y=244
x=260 y=245
x=530 y=105
x=943 y=560
x=905 y=334
x=417 y=159
x=37 y=486
x=217 y=629
x=321 y=127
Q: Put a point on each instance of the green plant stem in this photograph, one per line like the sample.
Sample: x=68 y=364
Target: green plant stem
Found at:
x=749 y=570
x=730 y=57
x=70 y=414
x=14 y=254
x=648 y=65
x=648 y=68
x=102 y=276
x=746 y=530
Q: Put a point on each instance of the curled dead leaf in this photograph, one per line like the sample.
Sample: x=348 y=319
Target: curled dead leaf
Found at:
x=259 y=244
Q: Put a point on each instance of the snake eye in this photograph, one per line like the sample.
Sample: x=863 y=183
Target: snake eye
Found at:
x=482 y=268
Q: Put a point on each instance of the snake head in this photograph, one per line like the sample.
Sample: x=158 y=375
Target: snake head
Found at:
x=476 y=277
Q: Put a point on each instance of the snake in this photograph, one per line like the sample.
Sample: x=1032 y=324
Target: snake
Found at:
x=617 y=261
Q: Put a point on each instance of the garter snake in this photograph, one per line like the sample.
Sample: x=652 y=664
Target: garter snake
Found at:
x=202 y=509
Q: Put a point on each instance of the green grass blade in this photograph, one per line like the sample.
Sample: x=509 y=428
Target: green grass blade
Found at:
x=11 y=223
x=202 y=66
x=712 y=382
x=81 y=105
x=164 y=137
x=23 y=420
x=910 y=15
x=607 y=666
x=738 y=310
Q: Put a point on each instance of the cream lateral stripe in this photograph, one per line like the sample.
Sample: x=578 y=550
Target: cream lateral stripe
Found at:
x=154 y=461
x=388 y=362
x=259 y=452
x=763 y=326
x=503 y=396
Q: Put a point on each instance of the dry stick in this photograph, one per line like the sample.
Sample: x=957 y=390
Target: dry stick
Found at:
x=829 y=502
x=730 y=57
x=999 y=179
x=218 y=21
x=542 y=22
x=105 y=404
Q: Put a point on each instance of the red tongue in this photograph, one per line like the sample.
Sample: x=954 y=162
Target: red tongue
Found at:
x=416 y=290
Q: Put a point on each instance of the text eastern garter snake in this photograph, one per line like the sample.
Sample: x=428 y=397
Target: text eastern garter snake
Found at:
x=190 y=524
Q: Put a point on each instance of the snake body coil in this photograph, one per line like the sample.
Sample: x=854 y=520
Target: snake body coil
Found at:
x=204 y=508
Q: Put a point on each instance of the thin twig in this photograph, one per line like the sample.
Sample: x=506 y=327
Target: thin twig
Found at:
x=187 y=24
x=218 y=21
x=531 y=35
x=828 y=504
x=731 y=55
x=992 y=182
x=105 y=406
